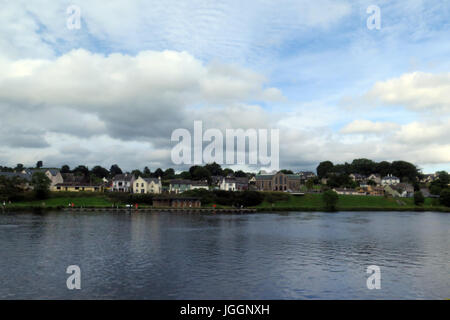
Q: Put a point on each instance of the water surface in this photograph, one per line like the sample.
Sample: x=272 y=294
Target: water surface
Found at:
x=297 y=255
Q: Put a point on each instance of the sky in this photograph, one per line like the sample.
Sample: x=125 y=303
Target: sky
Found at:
x=114 y=89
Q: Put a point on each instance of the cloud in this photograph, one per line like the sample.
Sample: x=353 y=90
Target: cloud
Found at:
x=367 y=126
x=417 y=91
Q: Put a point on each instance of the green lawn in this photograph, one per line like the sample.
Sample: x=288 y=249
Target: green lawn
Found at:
x=347 y=202
x=64 y=202
x=306 y=202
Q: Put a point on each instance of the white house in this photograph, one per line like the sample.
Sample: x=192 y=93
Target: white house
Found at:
x=228 y=184
x=375 y=178
x=234 y=184
x=390 y=180
x=199 y=185
x=147 y=185
x=122 y=182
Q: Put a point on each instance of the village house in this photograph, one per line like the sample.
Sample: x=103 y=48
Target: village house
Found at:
x=306 y=175
x=234 y=184
x=25 y=179
x=53 y=174
x=147 y=185
x=357 y=177
x=122 y=182
x=179 y=185
x=427 y=178
x=347 y=191
x=278 y=182
x=375 y=190
x=405 y=190
x=375 y=178
x=389 y=180
x=195 y=185
x=77 y=187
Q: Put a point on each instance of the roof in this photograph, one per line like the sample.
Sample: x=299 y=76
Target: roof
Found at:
x=180 y=181
x=149 y=180
x=11 y=175
x=78 y=184
x=390 y=178
x=123 y=177
x=199 y=183
x=53 y=171
x=239 y=180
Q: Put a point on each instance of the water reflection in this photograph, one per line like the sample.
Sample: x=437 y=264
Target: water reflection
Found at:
x=306 y=255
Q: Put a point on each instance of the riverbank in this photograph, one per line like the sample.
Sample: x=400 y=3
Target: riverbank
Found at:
x=308 y=202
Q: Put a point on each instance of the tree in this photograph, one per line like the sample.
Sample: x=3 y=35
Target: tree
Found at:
x=227 y=172
x=147 y=173
x=444 y=178
x=169 y=174
x=158 y=173
x=405 y=171
x=65 y=169
x=363 y=166
x=136 y=173
x=41 y=185
x=214 y=168
x=444 y=198
x=100 y=172
x=19 y=167
x=324 y=168
x=309 y=184
x=39 y=164
x=240 y=174
x=418 y=198
x=383 y=168
x=285 y=171
x=10 y=187
x=330 y=198
x=200 y=173
x=185 y=175
x=115 y=170
x=81 y=171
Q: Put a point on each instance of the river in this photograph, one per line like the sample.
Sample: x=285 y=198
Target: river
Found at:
x=295 y=255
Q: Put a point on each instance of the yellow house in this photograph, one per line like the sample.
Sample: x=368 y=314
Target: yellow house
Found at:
x=77 y=187
x=147 y=185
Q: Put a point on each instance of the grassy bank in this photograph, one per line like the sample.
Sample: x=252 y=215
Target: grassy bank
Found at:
x=314 y=202
x=308 y=202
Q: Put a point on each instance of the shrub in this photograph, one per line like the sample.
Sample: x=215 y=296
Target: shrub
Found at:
x=330 y=198
x=418 y=198
x=444 y=198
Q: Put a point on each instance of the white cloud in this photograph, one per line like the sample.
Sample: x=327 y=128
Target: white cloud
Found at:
x=367 y=126
x=417 y=91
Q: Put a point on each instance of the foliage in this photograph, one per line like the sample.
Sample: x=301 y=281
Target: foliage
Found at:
x=41 y=185
x=115 y=170
x=324 y=168
x=444 y=198
x=330 y=198
x=419 y=199
x=100 y=172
